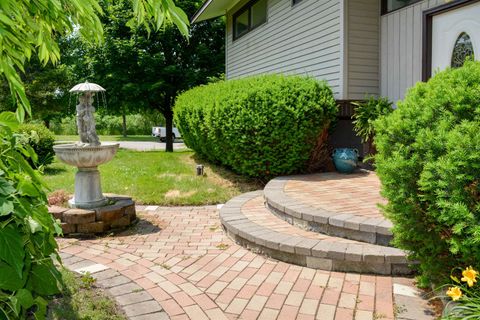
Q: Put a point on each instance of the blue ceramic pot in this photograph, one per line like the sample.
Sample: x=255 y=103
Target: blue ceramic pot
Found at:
x=345 y=159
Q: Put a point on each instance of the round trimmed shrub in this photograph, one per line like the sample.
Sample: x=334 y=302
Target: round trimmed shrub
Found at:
x=429 y=164
x=260 y=126
x=41 y=140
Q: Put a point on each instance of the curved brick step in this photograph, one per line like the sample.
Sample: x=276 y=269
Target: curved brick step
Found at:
x=247 y=220
x=314 y=203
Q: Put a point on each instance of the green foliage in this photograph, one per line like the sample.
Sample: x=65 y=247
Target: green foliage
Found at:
x=261 y=126
x=144 y=71
x=65 y=126
x=33 y=27
x=429 y=162
x=137 y=124
x=41 y=140
x=366 y=113
x=27 y=230
x=81 y=299
x=46 y=87
x=87 y=281
x=467 y=308
x=154 y=14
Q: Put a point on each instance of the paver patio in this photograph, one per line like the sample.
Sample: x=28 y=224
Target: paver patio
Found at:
x=179 y=262
x=357 y=192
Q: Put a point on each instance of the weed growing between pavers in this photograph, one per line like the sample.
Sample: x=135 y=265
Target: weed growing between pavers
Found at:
x=82 y=299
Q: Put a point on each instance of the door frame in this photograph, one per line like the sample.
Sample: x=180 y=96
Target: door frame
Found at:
x=427 y=32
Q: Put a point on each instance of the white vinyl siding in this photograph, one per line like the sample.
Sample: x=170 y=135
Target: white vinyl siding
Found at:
x=401 y=49
x=363 y=47
x=300 y=39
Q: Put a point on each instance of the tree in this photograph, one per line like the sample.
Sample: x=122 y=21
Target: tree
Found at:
x=114 y=64
x=171 y=64
x=147 y=70
x=46 y=88
x=33 y=27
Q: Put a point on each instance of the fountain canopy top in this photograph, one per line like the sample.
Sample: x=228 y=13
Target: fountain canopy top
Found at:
x=87 y=87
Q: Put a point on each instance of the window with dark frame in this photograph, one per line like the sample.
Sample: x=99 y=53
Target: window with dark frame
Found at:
x=392 y=5
x=250 y=16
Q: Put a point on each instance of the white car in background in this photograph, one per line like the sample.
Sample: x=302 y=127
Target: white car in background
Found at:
x=161 y=133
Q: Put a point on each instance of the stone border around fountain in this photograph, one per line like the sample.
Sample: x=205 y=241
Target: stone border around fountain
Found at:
x=119 y=214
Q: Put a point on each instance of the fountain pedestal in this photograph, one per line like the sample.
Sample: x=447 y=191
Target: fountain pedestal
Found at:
x=88 y=189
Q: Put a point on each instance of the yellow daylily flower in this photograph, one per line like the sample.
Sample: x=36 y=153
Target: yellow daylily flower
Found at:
x=454 y=292
x=469 y=276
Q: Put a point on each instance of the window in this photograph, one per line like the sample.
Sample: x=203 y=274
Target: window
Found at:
x=392 y=5
x=462 y=50
x=249 y=17
x=259 y=13
x=241 y=24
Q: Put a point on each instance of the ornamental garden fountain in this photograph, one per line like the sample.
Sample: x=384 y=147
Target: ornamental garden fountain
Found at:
x=90 y=211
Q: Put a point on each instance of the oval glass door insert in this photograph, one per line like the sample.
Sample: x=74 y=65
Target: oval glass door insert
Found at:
x=462 y=50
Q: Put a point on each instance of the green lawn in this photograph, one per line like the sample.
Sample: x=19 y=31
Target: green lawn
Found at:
x=158 y=177
x=108 y=138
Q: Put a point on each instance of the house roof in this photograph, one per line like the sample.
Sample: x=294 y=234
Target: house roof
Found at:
x=212 y=9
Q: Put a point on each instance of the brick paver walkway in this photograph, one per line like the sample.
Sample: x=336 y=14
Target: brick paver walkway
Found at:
x=182 y=259
x=357 y=192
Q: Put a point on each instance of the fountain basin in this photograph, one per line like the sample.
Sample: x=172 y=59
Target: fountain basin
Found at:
x=86 y=156
x=88 y=189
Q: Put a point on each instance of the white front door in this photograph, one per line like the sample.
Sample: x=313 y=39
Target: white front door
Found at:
x=455 y=34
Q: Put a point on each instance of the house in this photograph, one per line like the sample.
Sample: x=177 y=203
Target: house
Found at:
x=360 y=47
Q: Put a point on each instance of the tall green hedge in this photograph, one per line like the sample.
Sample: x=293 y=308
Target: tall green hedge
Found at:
x=260 y=126
x=429 y=163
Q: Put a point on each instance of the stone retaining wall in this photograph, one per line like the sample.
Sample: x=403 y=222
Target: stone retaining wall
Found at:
x=119 y=214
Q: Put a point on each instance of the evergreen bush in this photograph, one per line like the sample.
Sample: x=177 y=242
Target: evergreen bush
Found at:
x=260 y=126
x=41 y=140
x=429 y=164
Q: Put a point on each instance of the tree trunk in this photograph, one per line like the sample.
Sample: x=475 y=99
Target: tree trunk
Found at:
x=320 y=156
x=169 y=130
x=372 y=150
x=47 y=123
x=124 y=123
